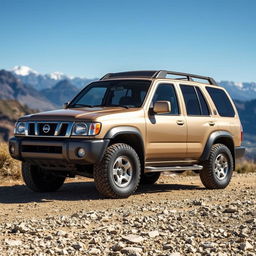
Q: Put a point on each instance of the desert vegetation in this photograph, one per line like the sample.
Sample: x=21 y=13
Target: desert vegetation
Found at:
x=9 y=167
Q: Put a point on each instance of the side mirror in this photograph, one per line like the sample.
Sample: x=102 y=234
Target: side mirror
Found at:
x=162 y=106
x=66 y=104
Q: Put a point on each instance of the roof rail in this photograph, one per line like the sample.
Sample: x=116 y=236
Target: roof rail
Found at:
x=158 y=74
x=187 y=76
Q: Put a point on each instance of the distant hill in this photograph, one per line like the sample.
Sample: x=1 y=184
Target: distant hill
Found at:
x=10 y=111
x=240 y=91
x=14 y=89
x=62 y=92
x=43 y=81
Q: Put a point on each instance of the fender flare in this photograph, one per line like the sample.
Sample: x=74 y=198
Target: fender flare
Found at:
x=119 y=130
x=212 y=138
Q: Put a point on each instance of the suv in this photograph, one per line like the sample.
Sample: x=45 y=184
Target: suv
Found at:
x=128 y=127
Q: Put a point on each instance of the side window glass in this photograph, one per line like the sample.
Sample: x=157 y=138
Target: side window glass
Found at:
x=191 y=100
x=221 y=101
x=167 y=92
x=204 y=107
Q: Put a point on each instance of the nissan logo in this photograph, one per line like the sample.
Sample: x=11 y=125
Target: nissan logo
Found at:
x=46 y=128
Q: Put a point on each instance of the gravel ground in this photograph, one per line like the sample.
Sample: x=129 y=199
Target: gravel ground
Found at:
x=175 y=217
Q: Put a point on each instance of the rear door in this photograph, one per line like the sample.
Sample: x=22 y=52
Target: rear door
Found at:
x=200 y=121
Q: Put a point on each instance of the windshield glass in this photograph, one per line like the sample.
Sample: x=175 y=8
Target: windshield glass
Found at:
x=120 y=93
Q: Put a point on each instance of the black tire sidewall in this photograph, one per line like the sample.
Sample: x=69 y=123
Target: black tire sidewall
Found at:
x=133 y=158
x=223 y=150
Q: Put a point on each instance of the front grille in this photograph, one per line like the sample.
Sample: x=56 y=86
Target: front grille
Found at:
x=49 y=129
x=41 y=149
x=46 y=129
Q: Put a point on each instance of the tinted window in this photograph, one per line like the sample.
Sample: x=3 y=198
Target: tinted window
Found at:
x=204 y=107
x=191 y=100
x=221 y=102
x=167 y=92
x=94 y=96
x=128 y=93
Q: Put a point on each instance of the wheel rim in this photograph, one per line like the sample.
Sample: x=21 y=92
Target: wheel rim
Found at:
x=221 y=167
x=122 y=171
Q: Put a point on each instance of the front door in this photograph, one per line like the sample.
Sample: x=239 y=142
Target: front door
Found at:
x=166 y=133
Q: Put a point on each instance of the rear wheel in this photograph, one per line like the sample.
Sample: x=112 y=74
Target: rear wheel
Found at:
x=218 y=169
x=118 y=174
x=150 y=178
x=40 y=180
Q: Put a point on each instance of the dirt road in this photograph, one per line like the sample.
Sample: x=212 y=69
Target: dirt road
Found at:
x=185 y=219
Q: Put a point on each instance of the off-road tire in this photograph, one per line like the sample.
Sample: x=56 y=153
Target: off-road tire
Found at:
x=150 y=178
x=207 y=174
x=39 y=180
x=103 y=172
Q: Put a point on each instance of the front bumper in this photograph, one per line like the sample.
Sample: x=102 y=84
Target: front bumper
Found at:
x=239 y=152
x=60 y=150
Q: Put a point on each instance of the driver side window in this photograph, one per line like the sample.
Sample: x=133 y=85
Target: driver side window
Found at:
x=167 y=92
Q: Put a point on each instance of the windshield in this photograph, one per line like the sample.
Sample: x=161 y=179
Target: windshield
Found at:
x=119 y=93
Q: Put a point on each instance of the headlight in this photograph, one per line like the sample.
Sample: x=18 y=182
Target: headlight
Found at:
x=83 y=129
x=20 y=128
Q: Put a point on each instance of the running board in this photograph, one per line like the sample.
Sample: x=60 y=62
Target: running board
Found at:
x=173 y=168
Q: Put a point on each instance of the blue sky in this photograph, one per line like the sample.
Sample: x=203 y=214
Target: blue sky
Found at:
x=91 y=38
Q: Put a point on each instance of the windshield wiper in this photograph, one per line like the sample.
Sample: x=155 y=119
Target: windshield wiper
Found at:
x=81 y=105
x=116 y=105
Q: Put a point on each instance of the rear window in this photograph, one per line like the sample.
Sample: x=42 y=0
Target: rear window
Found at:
x=221 y=101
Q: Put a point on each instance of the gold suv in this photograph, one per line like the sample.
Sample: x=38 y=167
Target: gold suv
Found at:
x=128 y=127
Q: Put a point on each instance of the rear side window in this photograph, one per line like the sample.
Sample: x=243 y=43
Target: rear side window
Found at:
x=195 y=102
x=221 y=101
x=204 y=107
x=191 y=100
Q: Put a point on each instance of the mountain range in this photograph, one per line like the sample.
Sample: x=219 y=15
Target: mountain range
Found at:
x=243 y=91
x=43 y=81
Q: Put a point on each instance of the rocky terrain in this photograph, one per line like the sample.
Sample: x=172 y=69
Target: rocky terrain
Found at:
x=175 y=217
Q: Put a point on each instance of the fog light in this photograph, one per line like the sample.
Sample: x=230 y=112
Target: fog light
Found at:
x=12 y=149
x=81 y=152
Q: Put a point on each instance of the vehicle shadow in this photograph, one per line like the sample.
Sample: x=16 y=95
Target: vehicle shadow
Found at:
x=76 y=191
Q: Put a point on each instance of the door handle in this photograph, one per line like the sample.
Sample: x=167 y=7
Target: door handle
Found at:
x=180 y=122
x=211 y=123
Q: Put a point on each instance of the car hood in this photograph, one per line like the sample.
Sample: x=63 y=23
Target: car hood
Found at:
x=76 y=114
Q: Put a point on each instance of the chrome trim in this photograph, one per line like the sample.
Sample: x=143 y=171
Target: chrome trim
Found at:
x=195 y=167
x=56 y=132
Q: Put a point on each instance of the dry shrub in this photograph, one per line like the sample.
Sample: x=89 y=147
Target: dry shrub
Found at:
x=9 y=167
x=245 y=166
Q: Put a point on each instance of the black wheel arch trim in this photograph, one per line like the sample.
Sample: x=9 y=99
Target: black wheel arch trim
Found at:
x=124 y=130
x=212 y=138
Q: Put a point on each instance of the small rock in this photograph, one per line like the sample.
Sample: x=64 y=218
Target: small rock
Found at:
x=230 y=210
x=133 y=238
x=78 y=245
x=94 y=251
x=246 y=246
x=132 y=251
x=13 y=242
x=118 y=247
x=153 y=234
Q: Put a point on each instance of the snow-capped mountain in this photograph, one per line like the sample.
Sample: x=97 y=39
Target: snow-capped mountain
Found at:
x=23 y=70
x=43 y=81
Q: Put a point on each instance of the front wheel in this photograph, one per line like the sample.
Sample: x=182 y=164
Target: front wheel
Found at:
x=40 y=180
x=118 y=174
x=218 y=169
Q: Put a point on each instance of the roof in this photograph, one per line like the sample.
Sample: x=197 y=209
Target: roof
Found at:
x=161 y=74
